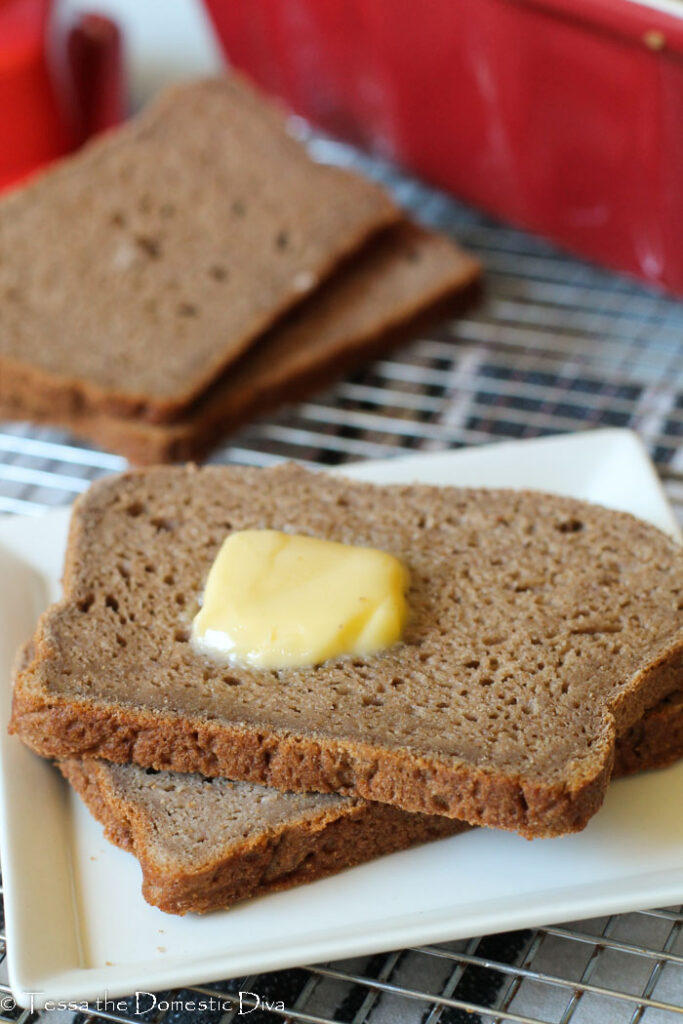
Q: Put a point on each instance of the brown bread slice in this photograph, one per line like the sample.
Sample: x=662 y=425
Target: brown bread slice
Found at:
x=134 y=272
x=366 y=307
x=204 y=844
x=654 y=741
x=540 y=628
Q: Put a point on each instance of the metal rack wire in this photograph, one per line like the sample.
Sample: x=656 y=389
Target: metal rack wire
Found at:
x=555 y=345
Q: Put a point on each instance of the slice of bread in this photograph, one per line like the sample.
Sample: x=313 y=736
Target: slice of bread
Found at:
x=654 y=741
x=134 y=272
x=204 y=844
x=540 y=628
x=366 y=307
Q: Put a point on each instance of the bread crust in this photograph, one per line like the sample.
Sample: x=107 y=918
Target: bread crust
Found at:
x=167 y=742
x=532 y=802
x=328 y=842
x=656 y=741
x=273 y=859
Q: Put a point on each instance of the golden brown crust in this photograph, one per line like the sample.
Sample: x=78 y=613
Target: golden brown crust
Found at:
x=655 y=741
x=272 y=860
x=285 y=762
x=322 y=846
x=85 y=779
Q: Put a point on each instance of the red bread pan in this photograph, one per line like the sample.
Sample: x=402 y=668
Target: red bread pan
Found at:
x=563 y=116
x=60 y=81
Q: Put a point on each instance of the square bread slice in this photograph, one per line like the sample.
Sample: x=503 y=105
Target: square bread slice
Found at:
x=367 y=306
x=539 y=628
x=134 y=272
x=204 y=844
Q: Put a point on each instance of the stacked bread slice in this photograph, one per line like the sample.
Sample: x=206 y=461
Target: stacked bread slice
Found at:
x=543 y=653
x=162 y=287
x=189 y=270
x=205 y=843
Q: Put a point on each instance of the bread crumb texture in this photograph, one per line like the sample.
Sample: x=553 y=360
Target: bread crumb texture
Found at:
x=539 y=628
x=204 y=843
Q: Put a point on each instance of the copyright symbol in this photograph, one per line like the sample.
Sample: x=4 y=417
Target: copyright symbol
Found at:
x=7 y=1003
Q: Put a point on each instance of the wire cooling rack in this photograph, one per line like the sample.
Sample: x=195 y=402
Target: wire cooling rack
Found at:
x=555 y=345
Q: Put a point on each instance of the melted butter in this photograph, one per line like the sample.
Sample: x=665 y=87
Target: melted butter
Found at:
x=278 y=600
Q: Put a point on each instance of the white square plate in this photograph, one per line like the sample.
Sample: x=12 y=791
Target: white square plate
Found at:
x=78 y=927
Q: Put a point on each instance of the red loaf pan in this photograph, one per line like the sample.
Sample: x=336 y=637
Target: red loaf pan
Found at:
x=36 y=114
x=563 y=116
x=60 y=82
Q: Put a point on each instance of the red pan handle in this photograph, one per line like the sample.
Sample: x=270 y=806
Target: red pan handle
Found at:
x=59 y=83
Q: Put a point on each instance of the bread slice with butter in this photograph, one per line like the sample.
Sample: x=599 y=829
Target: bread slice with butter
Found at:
x=135 y=271
x=539 y=629
x=371 y=304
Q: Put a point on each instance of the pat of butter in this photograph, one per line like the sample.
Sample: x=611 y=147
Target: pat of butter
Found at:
x=278 y=600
